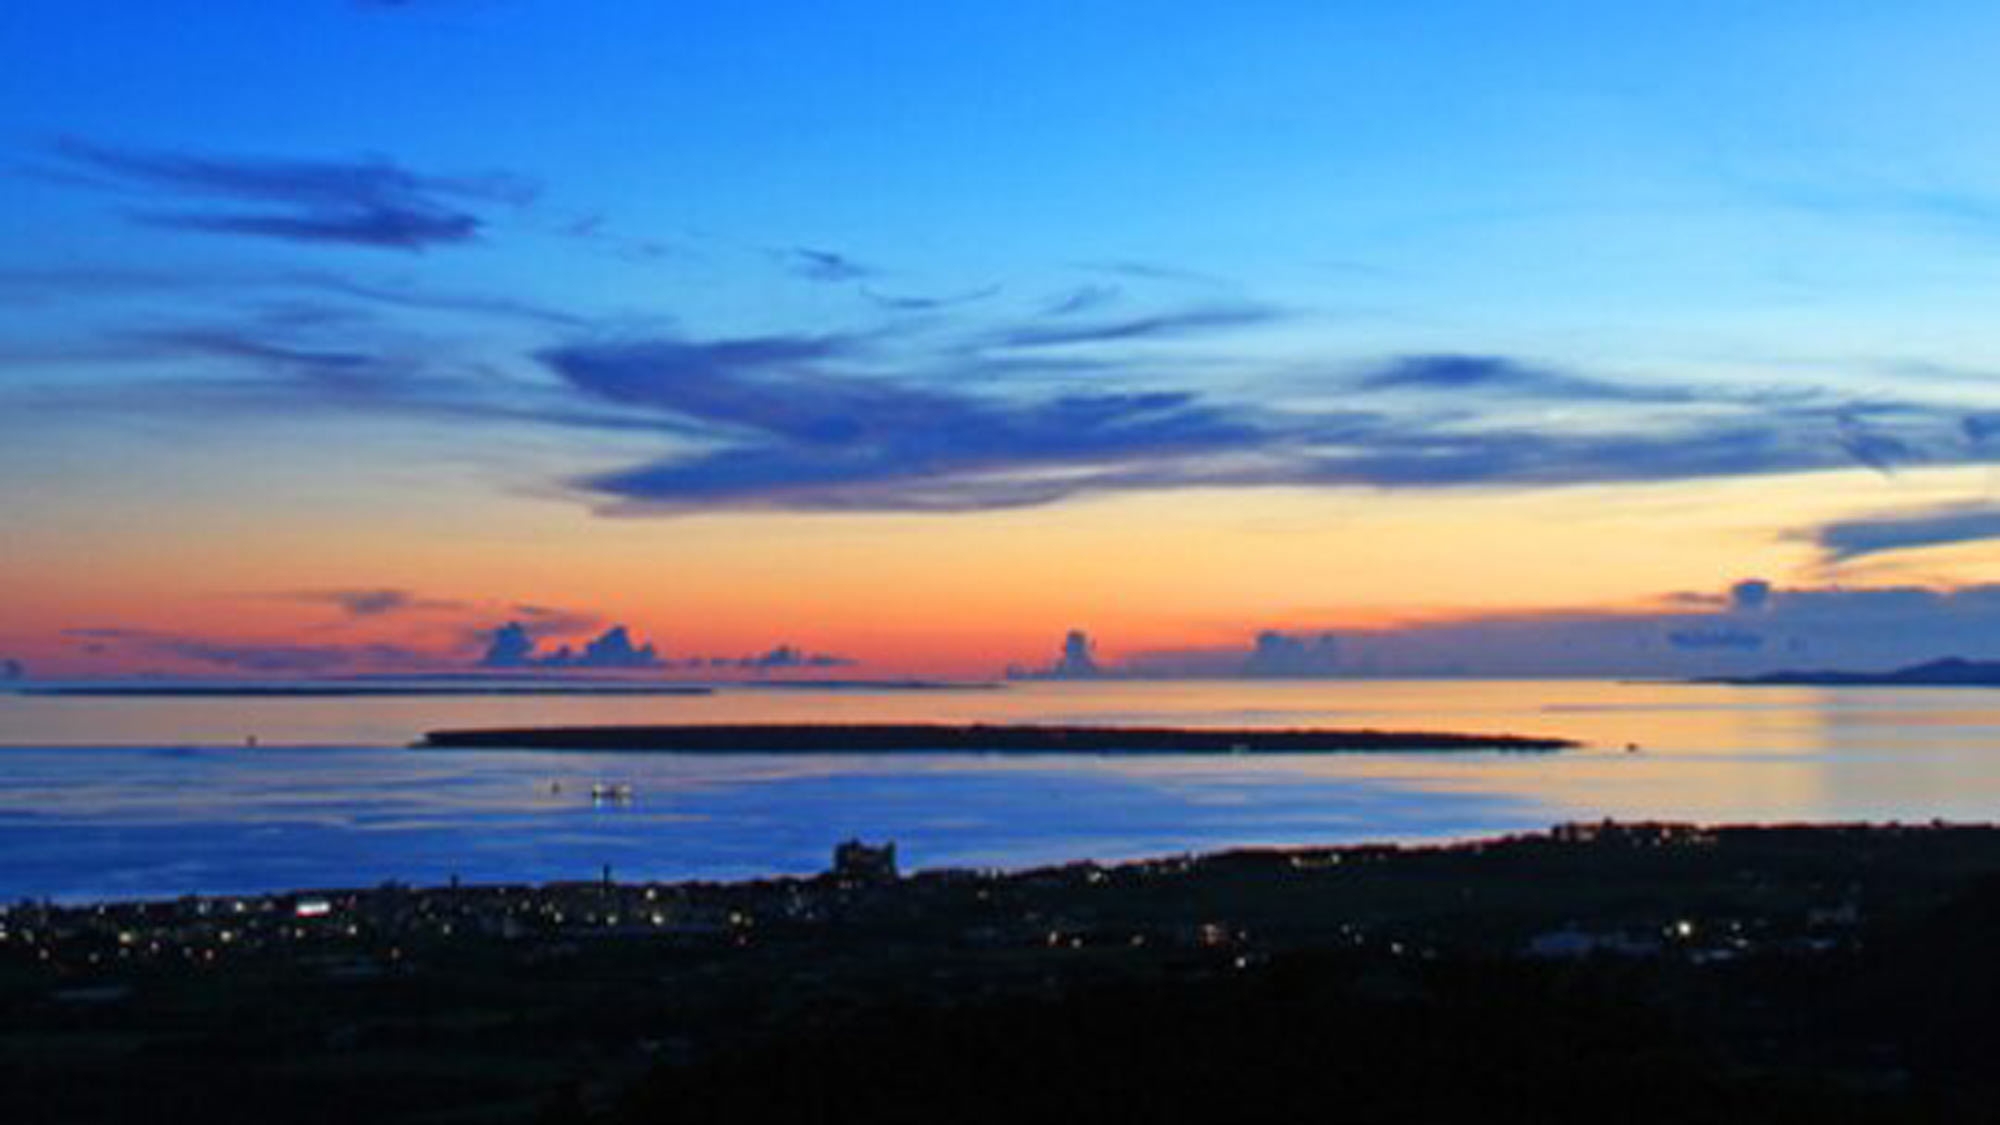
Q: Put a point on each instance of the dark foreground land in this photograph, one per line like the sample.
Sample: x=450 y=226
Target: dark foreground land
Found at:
x=1605 y=973
x=977 y=738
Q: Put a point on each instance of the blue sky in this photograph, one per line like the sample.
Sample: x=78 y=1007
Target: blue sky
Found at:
x=1533 y=174
x=755 y=270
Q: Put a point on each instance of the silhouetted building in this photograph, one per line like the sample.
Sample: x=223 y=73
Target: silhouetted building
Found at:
x=856 y=862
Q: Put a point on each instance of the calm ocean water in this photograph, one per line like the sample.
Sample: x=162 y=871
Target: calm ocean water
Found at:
x=147 y=797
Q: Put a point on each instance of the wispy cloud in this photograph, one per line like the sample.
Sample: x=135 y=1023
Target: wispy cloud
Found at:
x=1082 y=299
x=826 y=266
x=1944 y=208
x=337 y=371
x=1871 y=444
x=806 y=436
x=102 y=282
x=1501 y=376
x=546 y=621
x=1180 y=322
x=405 y=295
x=252 y=657
x=372 y=602
x=262 y=370
x=982 y=408
x=370 y=202
x=914 y=302
x=801 y=423
x=1153 y=271
x=1845 y=540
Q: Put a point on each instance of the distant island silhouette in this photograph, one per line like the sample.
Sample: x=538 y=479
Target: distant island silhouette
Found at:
x=873 y=738
x=352 y=690
x=477 y=683
x=1951 y=671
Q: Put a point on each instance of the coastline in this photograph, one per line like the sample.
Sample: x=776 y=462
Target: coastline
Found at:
x=1225 y=862
x=636 y=996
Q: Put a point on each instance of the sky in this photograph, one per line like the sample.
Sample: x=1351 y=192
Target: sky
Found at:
x=868 y=339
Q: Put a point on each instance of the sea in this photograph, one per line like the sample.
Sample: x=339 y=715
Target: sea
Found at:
x=131 y=797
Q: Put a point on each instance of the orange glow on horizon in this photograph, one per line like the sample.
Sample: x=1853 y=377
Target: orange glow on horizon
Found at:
x=959 y=595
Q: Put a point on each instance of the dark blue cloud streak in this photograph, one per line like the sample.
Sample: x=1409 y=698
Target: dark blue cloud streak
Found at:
x=370 y=202
x=796 y=424
x=1846 y=540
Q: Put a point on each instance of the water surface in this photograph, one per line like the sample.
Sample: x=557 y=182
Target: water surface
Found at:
x=159 y=796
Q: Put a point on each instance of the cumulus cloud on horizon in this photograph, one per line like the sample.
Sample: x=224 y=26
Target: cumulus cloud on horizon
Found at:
x=1280 y=655
x=1752 y=627
x=1075 y=660
x=513 y=646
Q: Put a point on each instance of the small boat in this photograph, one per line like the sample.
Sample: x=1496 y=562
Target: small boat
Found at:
x=619 y=794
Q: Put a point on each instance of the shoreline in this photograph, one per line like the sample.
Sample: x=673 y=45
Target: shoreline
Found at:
x=1568 y=834
x=666 y=1000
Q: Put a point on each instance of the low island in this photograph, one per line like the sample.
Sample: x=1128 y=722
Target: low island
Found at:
x=973 y=738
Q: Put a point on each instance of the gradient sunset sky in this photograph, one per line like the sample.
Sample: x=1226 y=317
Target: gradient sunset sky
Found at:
x=1478 y=336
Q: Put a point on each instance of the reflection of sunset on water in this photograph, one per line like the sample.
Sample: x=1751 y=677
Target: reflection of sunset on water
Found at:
x=332 y=782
